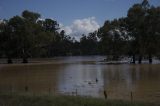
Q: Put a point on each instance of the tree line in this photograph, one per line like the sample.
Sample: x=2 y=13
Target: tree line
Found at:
x=136 y=35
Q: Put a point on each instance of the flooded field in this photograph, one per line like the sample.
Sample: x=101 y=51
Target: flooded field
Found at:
x=84 y=76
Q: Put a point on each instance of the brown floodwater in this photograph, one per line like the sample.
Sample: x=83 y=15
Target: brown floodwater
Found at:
x=84 y=76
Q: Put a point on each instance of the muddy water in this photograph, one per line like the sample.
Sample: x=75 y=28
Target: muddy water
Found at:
x=83 y=76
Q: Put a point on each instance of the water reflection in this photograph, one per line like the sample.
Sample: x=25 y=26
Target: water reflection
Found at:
x=84 y=79
x=83 y=76
x=36 y=78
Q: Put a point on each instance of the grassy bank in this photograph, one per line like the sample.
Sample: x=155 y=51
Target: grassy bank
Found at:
x=28 y=100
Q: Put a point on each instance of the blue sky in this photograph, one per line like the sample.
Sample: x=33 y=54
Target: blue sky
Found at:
x=67 y=12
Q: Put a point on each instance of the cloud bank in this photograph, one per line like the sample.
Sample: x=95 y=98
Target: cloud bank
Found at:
x=81 y=26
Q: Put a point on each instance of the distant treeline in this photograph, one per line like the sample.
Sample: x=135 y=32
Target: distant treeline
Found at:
x=136 y=35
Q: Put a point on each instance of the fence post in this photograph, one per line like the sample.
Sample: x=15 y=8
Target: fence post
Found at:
x=76 y=92
x=131 y=96
x=105 y=94
x=26 y=88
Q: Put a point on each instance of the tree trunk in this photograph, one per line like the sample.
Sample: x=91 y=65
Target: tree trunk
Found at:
x=133 y=59
x=150 y=59
x=140 y=59
x=9 y=61
x=25 y=60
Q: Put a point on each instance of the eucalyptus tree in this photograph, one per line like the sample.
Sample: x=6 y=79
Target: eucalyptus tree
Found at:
x=89 y=44
x=143 y=22
x=113 y=38
x=152 y=22
x=105 y=38
x=50 y=31
x=25 y=34
x=29 y=33
x=137 y=29
x=7 y=46
x=92 y=43
x=39 y=34
x=2 y=30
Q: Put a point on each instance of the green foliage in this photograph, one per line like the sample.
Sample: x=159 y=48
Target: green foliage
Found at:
x=22 y=35
x=89 y=44
x=138 y=34
x=30 y=16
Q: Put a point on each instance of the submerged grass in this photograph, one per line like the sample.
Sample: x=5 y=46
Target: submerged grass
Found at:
x=30 y=100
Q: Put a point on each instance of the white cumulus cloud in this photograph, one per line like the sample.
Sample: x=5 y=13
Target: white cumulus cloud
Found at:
x=81 y=26
x=2 y=21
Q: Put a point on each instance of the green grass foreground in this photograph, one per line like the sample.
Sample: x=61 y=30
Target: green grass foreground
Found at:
x=28 y=100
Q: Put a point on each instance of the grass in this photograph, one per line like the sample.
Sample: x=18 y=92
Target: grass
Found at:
x=30 y=100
